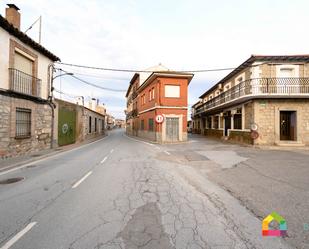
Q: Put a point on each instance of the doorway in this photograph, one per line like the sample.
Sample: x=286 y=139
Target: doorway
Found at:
x=288 y=125
x=172 y=129
x=227 y=124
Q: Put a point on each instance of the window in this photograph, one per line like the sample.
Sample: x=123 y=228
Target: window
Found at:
x=89 y=125
x=143 y=99
x=239 y=80
x=286 y=72
x=153 y=93
x=150 y=124
x=172 y=91
x=23 y=64
x=209 y=123
x=237 y=121
x=102 y=126
x=95 y=124
x=216 y=122
x=142 y=125
x=23 y=122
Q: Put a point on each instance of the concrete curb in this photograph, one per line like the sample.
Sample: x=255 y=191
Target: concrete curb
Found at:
x=47 y=155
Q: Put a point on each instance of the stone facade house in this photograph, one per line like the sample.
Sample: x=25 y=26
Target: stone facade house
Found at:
x=264 y=101
x=25 y=109
x=158 y=92
x=75 y=123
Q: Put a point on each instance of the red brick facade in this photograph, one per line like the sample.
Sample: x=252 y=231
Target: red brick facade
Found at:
x=151 y=100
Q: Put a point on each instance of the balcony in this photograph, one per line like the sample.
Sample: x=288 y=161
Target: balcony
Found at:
x=24 y=83
x=262 y=87
x=131 y=114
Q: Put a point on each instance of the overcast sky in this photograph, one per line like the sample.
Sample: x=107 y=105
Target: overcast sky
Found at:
x=182 y=35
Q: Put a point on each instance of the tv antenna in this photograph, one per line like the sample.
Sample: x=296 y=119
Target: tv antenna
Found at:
x=39 y=20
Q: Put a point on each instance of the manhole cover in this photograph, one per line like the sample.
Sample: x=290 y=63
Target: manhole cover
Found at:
x=11 y=180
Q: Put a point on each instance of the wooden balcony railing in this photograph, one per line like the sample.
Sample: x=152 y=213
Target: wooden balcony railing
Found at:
x=24 y=83
x=259 y=87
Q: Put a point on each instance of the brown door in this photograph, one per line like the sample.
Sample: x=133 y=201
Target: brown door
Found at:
x=288 y=125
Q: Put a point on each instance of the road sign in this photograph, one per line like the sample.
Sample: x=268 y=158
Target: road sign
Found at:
x=159 y=118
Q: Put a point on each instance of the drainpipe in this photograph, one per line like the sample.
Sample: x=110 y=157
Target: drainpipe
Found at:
x=50 y=103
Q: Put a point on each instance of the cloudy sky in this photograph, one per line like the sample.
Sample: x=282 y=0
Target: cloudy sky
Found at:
x=182 y=35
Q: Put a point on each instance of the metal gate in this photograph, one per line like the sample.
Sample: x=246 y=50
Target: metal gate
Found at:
x=66 y=126
x=172 y=129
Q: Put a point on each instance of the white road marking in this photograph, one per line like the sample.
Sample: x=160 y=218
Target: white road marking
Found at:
x=166 y=152
x=112 y=150
x=18 y=236
x=81 y=180
x=104 y=159
x=10 y=169
x=137 y=140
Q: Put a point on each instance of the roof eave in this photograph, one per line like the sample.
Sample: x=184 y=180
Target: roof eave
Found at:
x=26 y=39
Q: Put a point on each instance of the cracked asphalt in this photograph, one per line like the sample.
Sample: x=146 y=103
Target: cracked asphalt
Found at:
x=122 y=193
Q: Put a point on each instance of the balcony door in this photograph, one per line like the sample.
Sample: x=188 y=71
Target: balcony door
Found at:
x=288 y=125
x=287 y=80
x=23 y=80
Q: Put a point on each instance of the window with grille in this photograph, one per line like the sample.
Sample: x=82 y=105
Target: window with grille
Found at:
x=23 y=122
x=150 y=124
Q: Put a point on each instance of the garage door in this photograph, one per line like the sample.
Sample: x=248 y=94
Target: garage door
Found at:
x=66 y=126
x=172 y=129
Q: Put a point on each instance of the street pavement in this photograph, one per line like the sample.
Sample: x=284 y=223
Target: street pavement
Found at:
x=120 y=192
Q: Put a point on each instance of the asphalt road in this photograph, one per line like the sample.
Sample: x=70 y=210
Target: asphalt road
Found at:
x=119 y=192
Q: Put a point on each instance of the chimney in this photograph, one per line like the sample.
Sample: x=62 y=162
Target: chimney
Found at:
x=93 y=104
x=12 y=15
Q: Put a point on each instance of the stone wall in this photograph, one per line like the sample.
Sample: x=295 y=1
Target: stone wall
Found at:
x=240 y=136
x=213 y=133
x=150 y=135
x=85 y=117
x=267 y=117
x=41 y=118
x=249 y=115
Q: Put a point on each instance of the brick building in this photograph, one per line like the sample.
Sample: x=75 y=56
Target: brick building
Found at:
x=264 y=101
x=25 y=111
x=159 y=92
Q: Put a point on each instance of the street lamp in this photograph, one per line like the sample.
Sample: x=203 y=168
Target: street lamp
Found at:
x=53 y=78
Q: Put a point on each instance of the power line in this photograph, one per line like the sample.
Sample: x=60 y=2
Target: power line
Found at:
x=101 y=76
x=92 y=84
x=64 y=93
x=144 y=71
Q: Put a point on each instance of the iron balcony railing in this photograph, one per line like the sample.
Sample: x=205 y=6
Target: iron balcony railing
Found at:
x=259 y=87
x=131 y=114
x=24 y=83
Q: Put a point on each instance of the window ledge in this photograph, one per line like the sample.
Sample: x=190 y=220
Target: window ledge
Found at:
x=22 y=137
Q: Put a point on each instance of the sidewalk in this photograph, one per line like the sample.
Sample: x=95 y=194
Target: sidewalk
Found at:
x=13 y=162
